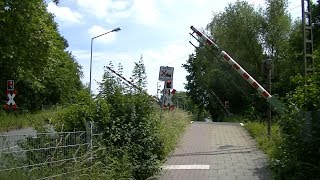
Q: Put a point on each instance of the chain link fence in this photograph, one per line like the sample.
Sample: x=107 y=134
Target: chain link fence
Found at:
x=56 y=155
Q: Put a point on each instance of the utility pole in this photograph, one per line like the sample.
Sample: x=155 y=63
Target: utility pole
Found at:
x=268 y=68
x=307 y=26
x=307 y=37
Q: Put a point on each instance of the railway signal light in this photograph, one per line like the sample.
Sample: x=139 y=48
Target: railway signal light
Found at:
x=168 y=84
x=10 y=85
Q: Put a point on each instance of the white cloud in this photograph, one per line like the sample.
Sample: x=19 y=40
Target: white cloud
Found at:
x=64 y=14
x=120 y=5
x=99 y=8
x=137 y=11
x=98 y=30
x=145 y=12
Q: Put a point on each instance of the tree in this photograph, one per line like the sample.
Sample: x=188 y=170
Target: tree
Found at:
x=139 y=76
x=109 y=84
x=238 y=31
x=32 y=52
x=277 y=24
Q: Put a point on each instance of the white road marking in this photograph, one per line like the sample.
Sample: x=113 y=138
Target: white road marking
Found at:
x=172 y=167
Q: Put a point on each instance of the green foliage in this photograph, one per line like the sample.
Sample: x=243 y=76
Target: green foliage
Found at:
x=299 y=153
x=32 y=52
x=139 y=77
x=182 y=101
x=109 y=166
x=174 y=122
x=75 y=116
x=271 y=145
x=136 y=140
x=250 y=36
x=295 y=154
x=238 y=30
x=9 y=121
x=132 y=133
x=234 y=118
x=131 y=127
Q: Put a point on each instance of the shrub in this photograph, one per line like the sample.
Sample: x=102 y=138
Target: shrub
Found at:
x=298 y=156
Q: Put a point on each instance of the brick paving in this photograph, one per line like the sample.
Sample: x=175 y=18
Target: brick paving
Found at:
x=227 y=148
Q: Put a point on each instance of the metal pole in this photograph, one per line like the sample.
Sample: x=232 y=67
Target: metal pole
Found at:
x=113 y=30
x=90 y=67
x=164 y=85
x=270 y=109
x=91 y=145
x=157 y=89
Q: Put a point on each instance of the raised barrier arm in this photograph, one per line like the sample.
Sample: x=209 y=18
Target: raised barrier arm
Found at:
x=273 y=101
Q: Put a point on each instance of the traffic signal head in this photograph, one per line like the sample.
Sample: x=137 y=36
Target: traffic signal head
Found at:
x=10 y=85
x=168 y=84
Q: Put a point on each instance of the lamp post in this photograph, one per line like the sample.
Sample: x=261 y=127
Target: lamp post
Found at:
x=113 y=30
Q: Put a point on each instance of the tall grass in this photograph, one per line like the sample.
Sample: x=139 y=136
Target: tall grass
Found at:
x=268 y=145
x=171 y=127
x=9 y=121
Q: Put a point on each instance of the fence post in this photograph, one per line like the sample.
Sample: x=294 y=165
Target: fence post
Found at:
x=89 y=140
x=91 y=145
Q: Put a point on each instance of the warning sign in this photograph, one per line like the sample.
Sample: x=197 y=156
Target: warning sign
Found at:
x=165 y=73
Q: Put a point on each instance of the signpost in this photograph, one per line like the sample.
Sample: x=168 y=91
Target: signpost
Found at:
x=167 y=96
x=11 y=93
x=166 y=75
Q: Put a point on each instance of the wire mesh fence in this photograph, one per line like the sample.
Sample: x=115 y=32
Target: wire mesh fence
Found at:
x=57 y=155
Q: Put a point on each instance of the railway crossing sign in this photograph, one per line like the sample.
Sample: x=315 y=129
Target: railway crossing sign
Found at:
x=165 y=73
x=11 y=93
x=168 y=101
x=10 y=101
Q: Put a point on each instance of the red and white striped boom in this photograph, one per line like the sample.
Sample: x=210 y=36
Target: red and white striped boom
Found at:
x=234 y=65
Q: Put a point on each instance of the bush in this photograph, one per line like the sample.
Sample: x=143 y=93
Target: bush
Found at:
x=127 y=125
x=299 y=154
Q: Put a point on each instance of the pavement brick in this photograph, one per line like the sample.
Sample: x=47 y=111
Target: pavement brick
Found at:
x=226 y=147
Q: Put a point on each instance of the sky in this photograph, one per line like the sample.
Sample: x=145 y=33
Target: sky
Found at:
x=157 y=30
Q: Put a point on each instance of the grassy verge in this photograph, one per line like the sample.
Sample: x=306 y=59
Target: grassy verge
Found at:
x=107 y=166
x=10 y=121
x=172 y=125
x=259 y=132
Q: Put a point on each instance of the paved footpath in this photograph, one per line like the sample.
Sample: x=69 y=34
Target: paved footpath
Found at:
x=216 y=151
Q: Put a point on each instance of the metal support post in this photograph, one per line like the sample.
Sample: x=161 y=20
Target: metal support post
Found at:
x=89 y=141
x=269 y=89
x=307 y=37
x=164 y=84
x=91 y=145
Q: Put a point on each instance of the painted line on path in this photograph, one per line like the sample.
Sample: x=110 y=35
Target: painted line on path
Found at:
x=173 y=167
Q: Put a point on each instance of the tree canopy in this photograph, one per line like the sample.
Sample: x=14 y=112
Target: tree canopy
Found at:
x=34 y=55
